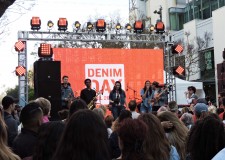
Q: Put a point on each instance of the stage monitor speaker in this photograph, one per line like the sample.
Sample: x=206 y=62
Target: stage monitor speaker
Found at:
x=47 y=84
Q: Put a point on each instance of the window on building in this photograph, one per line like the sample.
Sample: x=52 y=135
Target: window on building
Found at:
x=176 y=17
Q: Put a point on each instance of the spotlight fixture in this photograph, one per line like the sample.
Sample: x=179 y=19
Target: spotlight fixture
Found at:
x=177 y=49
x=76 y=25
x=179 y=70
x=62 y=24
x=19 y=46
x=45 y=50
x=128 y=27
x=90 y=26
x=35 y=23
x=138 y=27
x=100 y=25
x=159 y=27
x=20 y=71
x=152 y=28
x=50 y=25
x=118 y=26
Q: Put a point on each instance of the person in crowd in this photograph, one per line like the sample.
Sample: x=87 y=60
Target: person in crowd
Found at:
x=78 y=104
x=156 y=144
x=221 y=95
x=132 y=134
x=147 y=96
x=88 y=94
x=67 y=94
x=186 y=118
x=162 y=108
x=185 y=110
x=63 y=114
x=173 y=107
x=49 y=135
x=190 y=95
x=85 y=138
x=132 y=106
x=200 y=111
x=160 y=96
x=113 y=139
x=45 y=106
x=177 y=134
x=5 y=151
x=220 y=155
x=12 y=123
x=99 y=112
x=223 y=107
x=206 y=139
x=108 y=121
x=31 y=117
x=104 y=108
x=212 y=109
x=117 y=99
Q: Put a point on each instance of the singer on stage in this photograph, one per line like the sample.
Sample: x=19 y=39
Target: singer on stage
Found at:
x=117 y=99
x=146 y=95
x=88 y=94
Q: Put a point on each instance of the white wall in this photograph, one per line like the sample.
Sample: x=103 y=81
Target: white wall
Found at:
x=218 y=37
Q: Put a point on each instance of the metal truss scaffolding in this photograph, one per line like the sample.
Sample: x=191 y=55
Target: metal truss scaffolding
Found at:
x=127 y=38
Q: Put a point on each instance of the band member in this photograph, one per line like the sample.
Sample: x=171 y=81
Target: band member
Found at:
x=147 y=96
x=190 y=95
x=117 y=99
x=160 y=95
x=66 y=92
x=88 y=94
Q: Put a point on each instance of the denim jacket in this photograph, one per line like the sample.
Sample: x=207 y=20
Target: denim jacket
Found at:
x=112 y=96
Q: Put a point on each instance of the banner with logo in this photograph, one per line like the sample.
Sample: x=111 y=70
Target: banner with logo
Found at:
x=132 y=67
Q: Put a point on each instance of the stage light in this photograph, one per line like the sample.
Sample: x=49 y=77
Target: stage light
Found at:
x=128 y=27
x=62 y=24
x=159 y=27
x=90 y=26
x=179 y=70
x=35 y=23
x=118 y=26
x=20 y=70
x=19 y=46
x=100 y=25
x=45 y=50
x=50 y=25
x=138 y=27
x=152 y=28
x=76 y=26
x=177 y=49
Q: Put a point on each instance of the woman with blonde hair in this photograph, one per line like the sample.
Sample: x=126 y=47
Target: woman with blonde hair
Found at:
x=156 y=145
x=5 y=152
x=177 y=134
x=45 y=106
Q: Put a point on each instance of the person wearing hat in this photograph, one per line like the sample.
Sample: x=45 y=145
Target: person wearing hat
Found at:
x=200 y=111
x=160 y=96
x=12 y=123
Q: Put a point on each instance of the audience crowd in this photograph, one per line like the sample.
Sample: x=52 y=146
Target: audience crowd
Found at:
x=195 y=132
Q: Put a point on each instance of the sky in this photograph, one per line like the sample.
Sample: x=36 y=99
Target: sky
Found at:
x=17 y=18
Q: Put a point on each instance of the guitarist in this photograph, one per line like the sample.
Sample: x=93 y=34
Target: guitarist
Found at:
x=160 y=96
x=66 y=92
x=147 y=96
x=88 y=94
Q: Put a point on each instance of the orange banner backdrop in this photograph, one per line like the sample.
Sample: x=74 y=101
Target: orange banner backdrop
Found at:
x=105 y=66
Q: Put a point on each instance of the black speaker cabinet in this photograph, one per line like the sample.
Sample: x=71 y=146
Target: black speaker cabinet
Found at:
x=47 y=83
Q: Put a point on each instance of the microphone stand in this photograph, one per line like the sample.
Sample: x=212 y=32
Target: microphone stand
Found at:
x=134 y=92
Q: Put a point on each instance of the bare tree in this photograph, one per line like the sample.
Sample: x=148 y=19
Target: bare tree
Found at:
x=194 y=61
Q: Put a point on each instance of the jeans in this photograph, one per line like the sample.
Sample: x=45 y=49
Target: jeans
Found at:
x=116 y=111
x=145 y=109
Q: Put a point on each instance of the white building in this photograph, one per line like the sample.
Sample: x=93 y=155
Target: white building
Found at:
x=200 y=19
